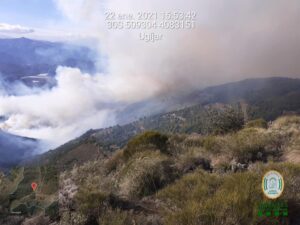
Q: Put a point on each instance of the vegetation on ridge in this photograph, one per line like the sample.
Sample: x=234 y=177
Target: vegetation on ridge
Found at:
x=156 y=178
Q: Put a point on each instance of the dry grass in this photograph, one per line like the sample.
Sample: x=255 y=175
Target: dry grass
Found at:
x=144 y=174
x=182 y=192
x=211 y=199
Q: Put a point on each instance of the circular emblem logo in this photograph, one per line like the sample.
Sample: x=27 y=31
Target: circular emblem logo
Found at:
x=272 y=184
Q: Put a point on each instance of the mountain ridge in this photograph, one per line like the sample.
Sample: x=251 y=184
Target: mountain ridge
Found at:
x=133 y=172
x=200 y=117
x=21 y=57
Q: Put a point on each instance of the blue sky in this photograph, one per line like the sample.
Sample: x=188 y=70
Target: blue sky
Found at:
x=31 y=13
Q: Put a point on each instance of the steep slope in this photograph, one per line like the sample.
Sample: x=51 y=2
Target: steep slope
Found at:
x=199 y=119
x=267 y=97
x=270 y=97
x=186 y=179
x=154 y=178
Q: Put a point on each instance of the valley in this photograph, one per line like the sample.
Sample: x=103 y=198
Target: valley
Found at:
x=133 y=172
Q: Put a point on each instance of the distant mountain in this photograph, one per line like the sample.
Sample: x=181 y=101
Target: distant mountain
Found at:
x=267 y=97
x=21 y=58
x=249 y=90
x=14 y=149
x=211 y=109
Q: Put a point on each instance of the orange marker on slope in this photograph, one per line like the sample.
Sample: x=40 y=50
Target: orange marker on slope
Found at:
x=34 y=186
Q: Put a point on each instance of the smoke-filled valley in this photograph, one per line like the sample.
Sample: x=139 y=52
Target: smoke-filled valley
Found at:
x=99 y=126
x=94 y=86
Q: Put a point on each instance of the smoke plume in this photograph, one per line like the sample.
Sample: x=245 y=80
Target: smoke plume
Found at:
x=233 y=40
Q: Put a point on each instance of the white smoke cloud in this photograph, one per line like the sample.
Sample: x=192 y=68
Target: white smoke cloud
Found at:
x=77 y=103
x=233 y=40
x=14 y=29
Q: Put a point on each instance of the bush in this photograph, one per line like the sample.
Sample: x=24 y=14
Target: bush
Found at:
x=193 y=187
x=222 y=167
x=251 y=144
x=287 y=121
x=214 y=200
x=212 y=144
x=148 y=140
x=144 y=174
x=208 y=199
x=235 y=202
x=258 y=123
x=191 y=160
x=114 y=161
x=194 y=141
x=90 y=201
x=115 y=217
x=228 y=120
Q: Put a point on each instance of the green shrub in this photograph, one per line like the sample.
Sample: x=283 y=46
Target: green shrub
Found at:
x=194 y=142
x=222 y=167
x=145 y=173
x=177 y=143
x=235 y=202
x=227 y=120
x=90 y=201
x=209 y=199
x=115 y=217
x=191 y=160
x=211 y=144
x=258 y=123
x=193 y=187
x=114 y=161
x=148 y=140
x=287 y=121
x=249 y=145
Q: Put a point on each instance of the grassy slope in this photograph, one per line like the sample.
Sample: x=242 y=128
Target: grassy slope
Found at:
x=197 y=180
x=152 y=180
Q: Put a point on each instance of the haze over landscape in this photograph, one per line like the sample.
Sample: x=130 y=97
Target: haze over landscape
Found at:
x=256 y=39
x=119 y=125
